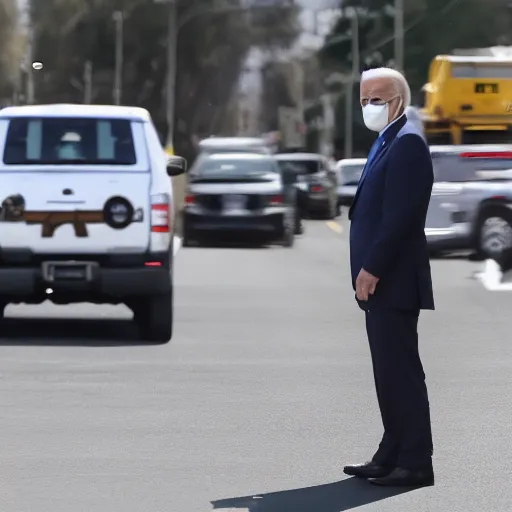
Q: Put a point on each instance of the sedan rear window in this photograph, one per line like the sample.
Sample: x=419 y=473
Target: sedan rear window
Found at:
x=234 y=166
x=227 y=149
x=64 y=141
x=302 y=167
x=350 y=174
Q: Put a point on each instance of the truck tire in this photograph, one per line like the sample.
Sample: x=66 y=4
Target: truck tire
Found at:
x=494 y=232
x=185 y=232
x=299 y=225
x=289 y=239
x=154 y=317
x=331 y=211
x=185 y=238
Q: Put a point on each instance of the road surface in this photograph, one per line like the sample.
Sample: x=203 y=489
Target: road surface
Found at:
x=266 y=387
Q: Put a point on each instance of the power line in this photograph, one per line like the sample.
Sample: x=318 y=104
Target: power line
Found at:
x=447 y=8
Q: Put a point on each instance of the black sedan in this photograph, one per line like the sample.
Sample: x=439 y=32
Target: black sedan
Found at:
x=317 y=181
x=239 y=193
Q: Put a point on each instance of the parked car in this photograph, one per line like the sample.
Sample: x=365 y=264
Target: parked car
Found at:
x=86 y=211
x=317 y=180
x=239 y=193
x=349 y=173
x=471 y=203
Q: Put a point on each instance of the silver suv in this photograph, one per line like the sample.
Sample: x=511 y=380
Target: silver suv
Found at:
x=470 y=207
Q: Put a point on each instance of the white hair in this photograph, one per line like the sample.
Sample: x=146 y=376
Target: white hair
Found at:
x=399 y=81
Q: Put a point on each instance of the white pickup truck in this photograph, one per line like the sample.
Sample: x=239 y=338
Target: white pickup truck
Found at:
x=86 y=211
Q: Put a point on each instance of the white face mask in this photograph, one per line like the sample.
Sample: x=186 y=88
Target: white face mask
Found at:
x=376 y=117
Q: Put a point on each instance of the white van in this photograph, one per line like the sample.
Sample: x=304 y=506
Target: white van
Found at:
x=86 y=211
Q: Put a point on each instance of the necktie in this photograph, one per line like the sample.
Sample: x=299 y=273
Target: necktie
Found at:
x=372 y=154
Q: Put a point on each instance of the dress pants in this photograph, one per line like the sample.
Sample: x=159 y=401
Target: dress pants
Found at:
x=401 y=389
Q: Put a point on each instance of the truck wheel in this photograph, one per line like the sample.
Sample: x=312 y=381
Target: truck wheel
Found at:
x=331 y=210
x=153 y=315
x=185 y=233
x=494 y=233
x=185 y=240
x=288 y=238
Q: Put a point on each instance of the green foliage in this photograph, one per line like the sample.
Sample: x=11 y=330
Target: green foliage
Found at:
x=212 y=48
x=432 y=27
x=11 y=45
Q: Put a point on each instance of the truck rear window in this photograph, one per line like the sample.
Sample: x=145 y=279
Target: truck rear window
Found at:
x=481 y=71
x=64 y=141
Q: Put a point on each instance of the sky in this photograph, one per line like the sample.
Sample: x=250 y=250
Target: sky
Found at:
x=323 y=11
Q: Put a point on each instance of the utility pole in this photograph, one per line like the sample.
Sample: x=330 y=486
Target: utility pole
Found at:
x=349 y=93
x=29 y=58
x=88 y=83
x=118 y=78
x=399 y=35
x=170 y=89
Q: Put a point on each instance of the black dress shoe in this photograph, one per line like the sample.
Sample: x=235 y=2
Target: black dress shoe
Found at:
x=401 y=477
x=367 y=470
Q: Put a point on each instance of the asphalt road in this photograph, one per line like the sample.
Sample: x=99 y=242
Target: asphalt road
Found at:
x=266 y=387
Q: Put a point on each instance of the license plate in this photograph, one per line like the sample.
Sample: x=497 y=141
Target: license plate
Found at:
x=54 y=272
x=234 y=202
x=70 y=273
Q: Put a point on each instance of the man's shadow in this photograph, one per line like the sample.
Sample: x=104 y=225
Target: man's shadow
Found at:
x=335 y=497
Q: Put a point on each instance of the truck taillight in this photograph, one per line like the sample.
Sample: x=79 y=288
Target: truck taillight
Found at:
x=160 y=213
x=503 y=155
x=190 y=199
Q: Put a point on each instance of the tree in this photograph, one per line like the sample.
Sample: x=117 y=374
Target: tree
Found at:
x=432 y=27
x=11 y=49
x=212 y=48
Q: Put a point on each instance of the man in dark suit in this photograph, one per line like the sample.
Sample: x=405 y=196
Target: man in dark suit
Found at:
x=391 y=277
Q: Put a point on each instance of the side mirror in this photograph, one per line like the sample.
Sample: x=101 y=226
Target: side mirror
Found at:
x=176 y=166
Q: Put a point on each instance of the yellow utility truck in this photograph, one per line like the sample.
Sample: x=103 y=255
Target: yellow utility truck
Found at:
x=468 y=100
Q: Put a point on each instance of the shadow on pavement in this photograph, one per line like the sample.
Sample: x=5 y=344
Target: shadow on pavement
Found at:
x=231 y=243
x=70 y=332
x=336 y=497
x=458 y=256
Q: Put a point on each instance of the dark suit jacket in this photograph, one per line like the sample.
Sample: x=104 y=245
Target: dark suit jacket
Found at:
x=387 y=233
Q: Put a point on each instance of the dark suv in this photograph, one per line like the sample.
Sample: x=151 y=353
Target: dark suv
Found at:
x=317 y=183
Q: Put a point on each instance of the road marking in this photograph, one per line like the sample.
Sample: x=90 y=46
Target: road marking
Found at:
x=335 y=226
x=491 y=277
